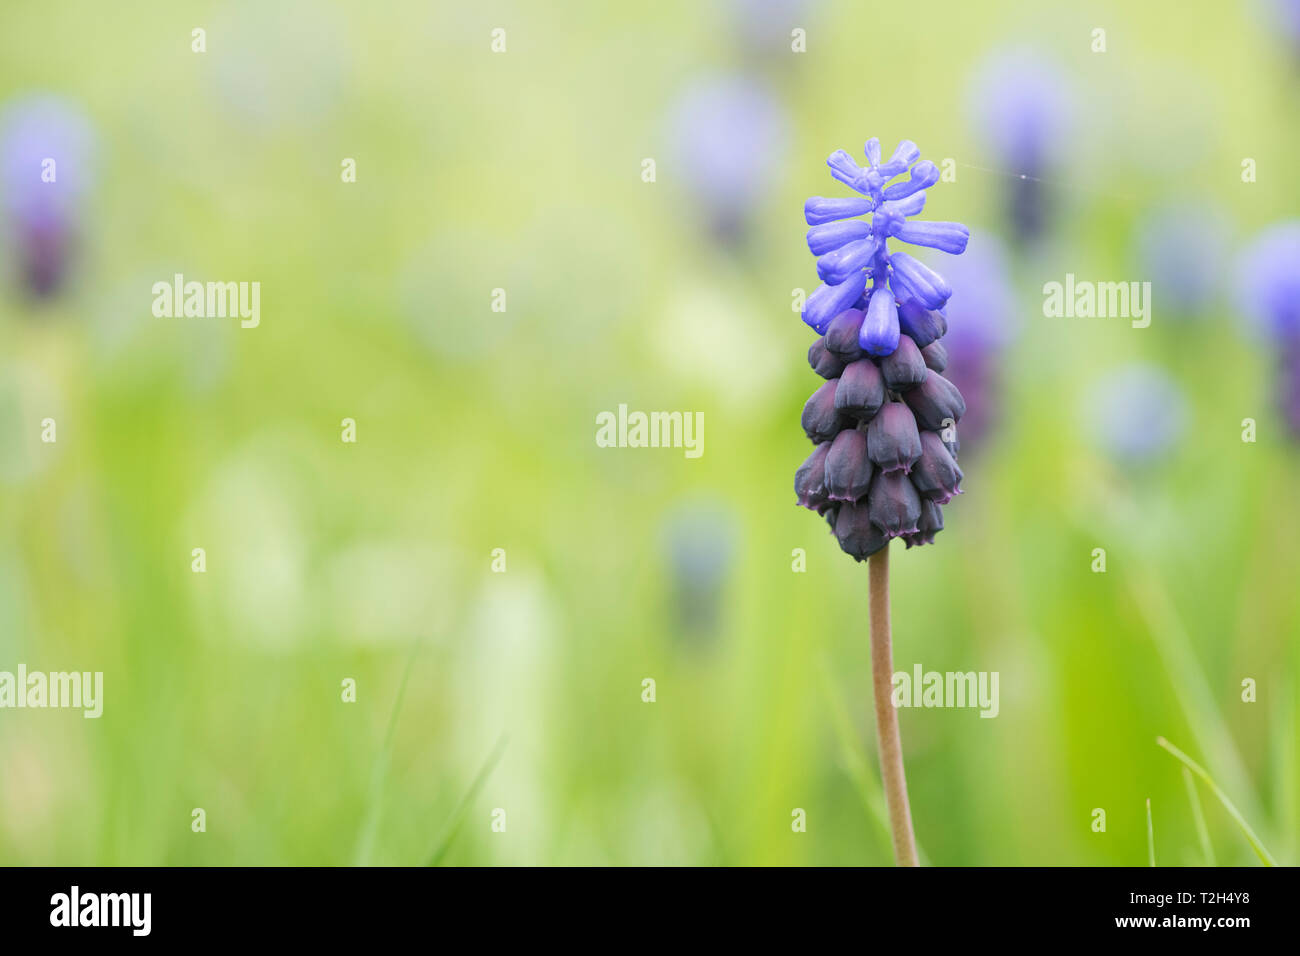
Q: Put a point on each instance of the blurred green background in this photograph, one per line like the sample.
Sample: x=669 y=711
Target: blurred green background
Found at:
x=522 y=170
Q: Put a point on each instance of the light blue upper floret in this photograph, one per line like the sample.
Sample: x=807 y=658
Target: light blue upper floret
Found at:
x=850 y=250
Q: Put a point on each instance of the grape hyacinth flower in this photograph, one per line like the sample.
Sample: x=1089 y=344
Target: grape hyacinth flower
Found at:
x=1269 y=286
x=699 y=539
x=727 y=133
x=1283 y=17
x=1020 y=105
x=45 y=147
x=1136 y=413
x=1182 y=249
x=884 y=421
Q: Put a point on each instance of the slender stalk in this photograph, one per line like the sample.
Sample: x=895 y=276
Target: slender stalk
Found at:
x=1265 y=857
x=891 y=746
x=1202 y=831
x=1151 y=837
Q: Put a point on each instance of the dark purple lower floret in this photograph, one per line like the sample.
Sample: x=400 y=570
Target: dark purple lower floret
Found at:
x=936 y=356
x=931 y=523
x=894 y=505
x=892 y=439
x=842 y=335
x=935 y=473
x=905 y=367
x=936 y=403
x=822 y=361
x=810 y=479
x=821 y=422
x=920 y=324
x=848 y=469
x=856 y=532
x=861 y=391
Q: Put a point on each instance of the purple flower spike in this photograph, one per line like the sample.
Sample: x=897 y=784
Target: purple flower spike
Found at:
x=888 y=420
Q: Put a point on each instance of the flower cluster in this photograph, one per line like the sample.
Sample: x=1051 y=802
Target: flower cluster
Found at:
x=884 y=421
x=45 y=150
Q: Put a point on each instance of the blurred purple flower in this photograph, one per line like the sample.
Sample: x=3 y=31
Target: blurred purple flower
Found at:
x=1284 y=16
x=1268 y=284
x=981 y=316
x=1268 y=281
x=46 y=146
x=1182 y=250
x=1137 y=413
x=728 y=136
x=700 y=541
x=763 y=26
x=1021 y=106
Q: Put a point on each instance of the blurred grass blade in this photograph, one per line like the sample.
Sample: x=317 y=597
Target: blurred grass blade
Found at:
x=458 y=815
x=379 y=777
x=1190 y=687
x=1202 y=831
x=1151 y=837
x=873 y=798
x=1197 y=769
